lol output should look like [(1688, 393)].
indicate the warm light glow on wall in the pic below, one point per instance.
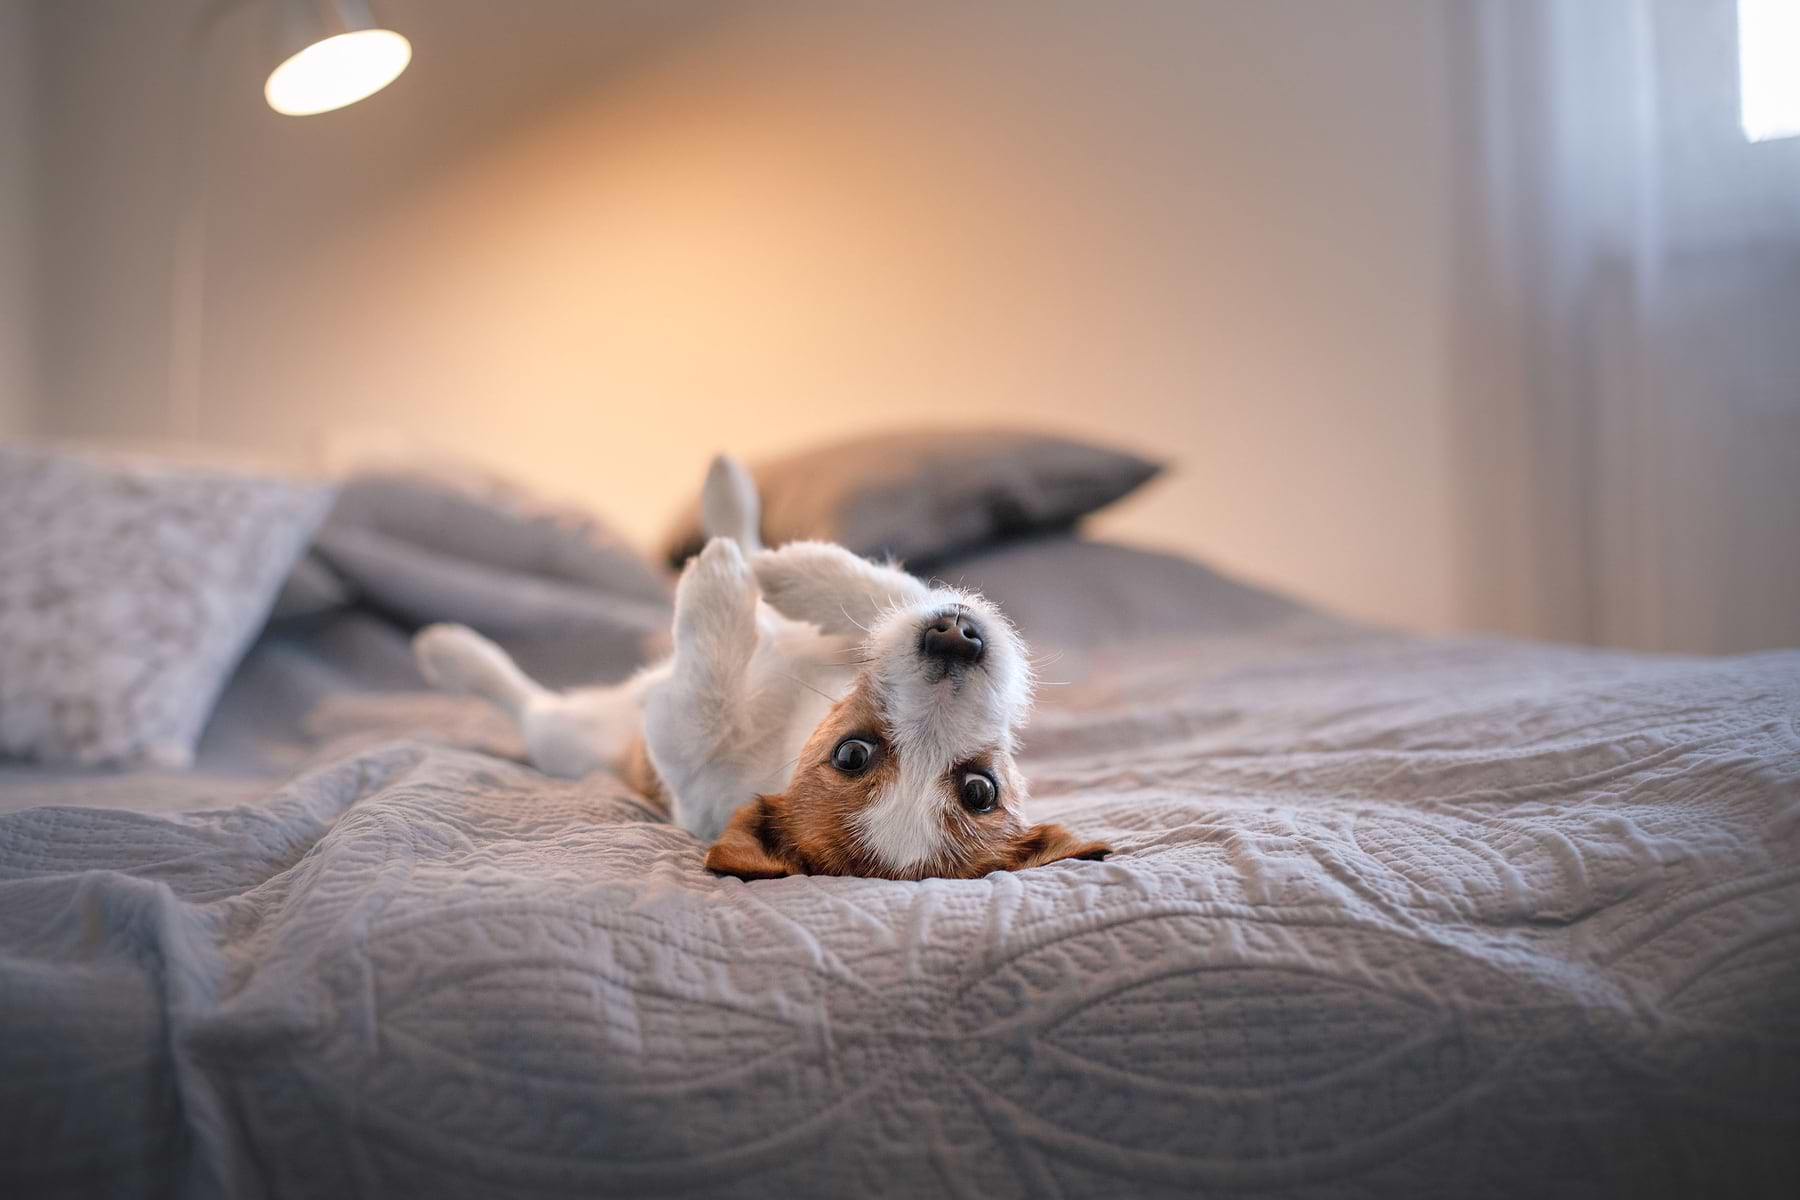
[(1769, 68), (337, 71)]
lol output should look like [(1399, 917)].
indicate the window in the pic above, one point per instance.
[(1769, 68)]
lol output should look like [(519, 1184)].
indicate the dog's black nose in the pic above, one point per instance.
[(953, 638)]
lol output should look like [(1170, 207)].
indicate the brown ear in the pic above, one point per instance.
[(748, 847), (1047, 844)]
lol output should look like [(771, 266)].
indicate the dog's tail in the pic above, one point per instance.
[(729, 505), (457, 659)]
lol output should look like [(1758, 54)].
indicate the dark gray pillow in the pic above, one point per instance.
[(1079, 593), (923, 495), (312, 589)]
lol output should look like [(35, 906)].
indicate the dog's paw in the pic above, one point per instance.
[(802, 578), (729, 506), (829, 586), (448, 655), (719, 568), (716, 598)]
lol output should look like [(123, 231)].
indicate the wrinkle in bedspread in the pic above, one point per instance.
[(1383, 917)]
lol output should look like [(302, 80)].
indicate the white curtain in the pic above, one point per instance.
[(1628, 359)]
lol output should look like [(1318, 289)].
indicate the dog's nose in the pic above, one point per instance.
[(953, 638)]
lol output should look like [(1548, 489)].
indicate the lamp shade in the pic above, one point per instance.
[(332, 53)]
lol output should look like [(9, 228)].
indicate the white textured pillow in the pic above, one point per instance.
[(129, 589)]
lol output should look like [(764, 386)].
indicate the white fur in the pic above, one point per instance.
[(938, 721), (454, 658), (729, 505), (567, 734), (745, 688), (833, 588), (762, 649)]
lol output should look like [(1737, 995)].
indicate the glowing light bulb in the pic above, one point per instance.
[(337, 71)]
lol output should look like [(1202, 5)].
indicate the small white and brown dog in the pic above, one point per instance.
[(821, 714)]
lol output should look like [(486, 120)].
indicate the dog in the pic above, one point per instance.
[(821, 714)]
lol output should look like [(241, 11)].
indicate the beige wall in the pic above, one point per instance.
[(17, 212), (591, 243)]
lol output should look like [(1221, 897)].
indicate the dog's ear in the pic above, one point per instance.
[(749, 848), (1047, 844), (836, 590)]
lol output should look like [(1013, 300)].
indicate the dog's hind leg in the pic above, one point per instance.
[(454, 658), (729, 505), (566, 734)]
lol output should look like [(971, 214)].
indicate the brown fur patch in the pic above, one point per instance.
[(810, 830), (640, 774), (742, 851)]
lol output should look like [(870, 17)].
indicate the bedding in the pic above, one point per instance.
[(464, 515), (924, 496), (449, 544), (129, 587), (1078, 595), (1387, 916)]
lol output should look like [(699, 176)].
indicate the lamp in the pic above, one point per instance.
[(333, 53), (330, 53)]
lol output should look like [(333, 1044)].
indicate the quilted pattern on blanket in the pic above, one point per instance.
[(1385, 917)]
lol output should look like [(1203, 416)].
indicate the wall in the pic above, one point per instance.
[(18, 363), (592, 243)]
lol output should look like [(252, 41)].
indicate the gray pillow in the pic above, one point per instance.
[(312, 589), (923, 495), (1074, 592), (129, 589), (559, 588), (463, 514)]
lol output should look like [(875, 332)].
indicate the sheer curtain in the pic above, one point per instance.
[(1628, 358)]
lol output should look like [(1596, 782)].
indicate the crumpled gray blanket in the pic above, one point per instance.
[(1386, 917)]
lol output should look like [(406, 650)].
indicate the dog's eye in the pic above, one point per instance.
[(853, 756), (978, 792)]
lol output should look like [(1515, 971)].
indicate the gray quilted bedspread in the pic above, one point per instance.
[(1386, 918)]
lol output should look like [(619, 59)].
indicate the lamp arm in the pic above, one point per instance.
[(187, 267)]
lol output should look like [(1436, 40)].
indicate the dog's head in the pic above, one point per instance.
[(911, 773)]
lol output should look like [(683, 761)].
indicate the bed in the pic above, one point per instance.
[(1386, 916)]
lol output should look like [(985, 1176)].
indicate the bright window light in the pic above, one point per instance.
[(1769, 68)]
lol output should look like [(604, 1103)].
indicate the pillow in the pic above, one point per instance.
[(450, 544), (921, 496), (312, 589), (129, 588), (1079, 593), (467, 513)]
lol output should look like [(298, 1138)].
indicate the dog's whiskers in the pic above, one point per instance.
[(809, 687), (856, 622)]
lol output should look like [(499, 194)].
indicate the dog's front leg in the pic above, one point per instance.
[(838, 591), (694, 721)]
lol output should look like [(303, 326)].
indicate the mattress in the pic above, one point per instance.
[(1386, 916)]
